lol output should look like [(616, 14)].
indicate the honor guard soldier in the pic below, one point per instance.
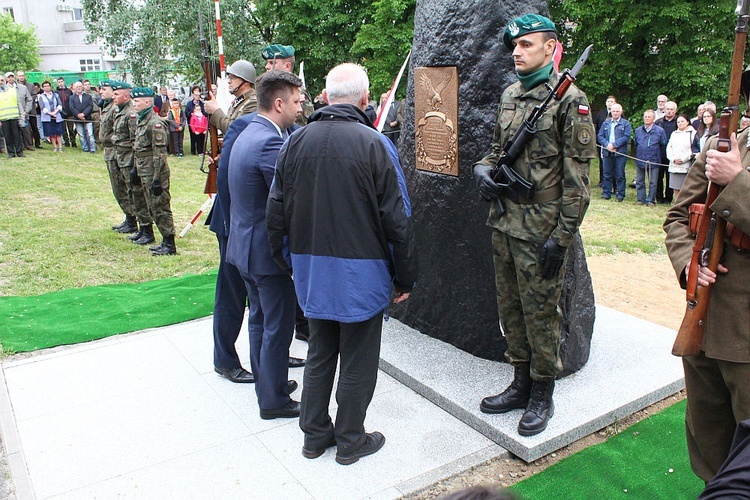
[(123, 136), (281, 57), (241, 76), (531, 238), (150, 151), (106, 131)]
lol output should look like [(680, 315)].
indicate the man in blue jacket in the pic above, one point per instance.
[(269, 287), (614, 137), (649, 141), (340, 198)]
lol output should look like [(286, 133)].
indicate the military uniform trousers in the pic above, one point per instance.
[(270, 324), (527, 306), (117, 181), (358, 346), (135, 191), (229, 310), (717, 400), (159, 206)]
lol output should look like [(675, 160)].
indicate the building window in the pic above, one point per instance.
[(77, 14), (90, 64), (9, 10)]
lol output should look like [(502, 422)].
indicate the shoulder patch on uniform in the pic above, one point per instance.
[(134, 116), (583, 109), (157, 125), (509, 105), (584, 135)]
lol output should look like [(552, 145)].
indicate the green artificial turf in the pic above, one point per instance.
[(83, 314), (649, 460)]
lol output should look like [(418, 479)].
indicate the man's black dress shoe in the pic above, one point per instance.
[(374, 441), (291, 386), (289, 410), (296, 362), (315, 452), (236, 375)]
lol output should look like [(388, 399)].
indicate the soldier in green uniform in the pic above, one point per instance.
[(150, 151), (530, 240), (281, 57), (241, 77), (123, 136), (116, 180)]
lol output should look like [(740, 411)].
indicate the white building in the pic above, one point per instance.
[(59, 27)]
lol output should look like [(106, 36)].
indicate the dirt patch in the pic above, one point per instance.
[(641, 285)]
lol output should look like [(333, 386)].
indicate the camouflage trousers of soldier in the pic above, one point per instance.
[(160, 206), (135, 191), (119, 187), (528, 306)]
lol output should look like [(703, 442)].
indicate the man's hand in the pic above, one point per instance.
[(156, 188), (722, 168), (705, 275), (210, 105), (611, 147), (400, 297), (485, 185), (551, 258), (81, 116)]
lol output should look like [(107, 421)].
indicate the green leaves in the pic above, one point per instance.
[(19, 46)]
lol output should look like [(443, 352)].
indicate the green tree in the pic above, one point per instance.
[(382, 44), (19, 46), (680, 48)]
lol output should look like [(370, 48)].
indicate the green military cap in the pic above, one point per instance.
[(142, 92), (277, 51), (105, 83), (530, 23), (120, 85)]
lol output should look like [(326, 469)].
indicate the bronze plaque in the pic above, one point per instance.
[(436, 119)]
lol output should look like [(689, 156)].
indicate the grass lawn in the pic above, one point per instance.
[(56, 211)]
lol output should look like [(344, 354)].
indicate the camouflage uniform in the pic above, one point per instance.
[(557, 163), (151, 140), (96, 112), (123, 134), (242, 105), (307, 109), (119, 186)]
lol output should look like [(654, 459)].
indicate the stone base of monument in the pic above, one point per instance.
[(630, 367)]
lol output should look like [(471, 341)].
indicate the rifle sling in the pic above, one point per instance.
[(544, 196)]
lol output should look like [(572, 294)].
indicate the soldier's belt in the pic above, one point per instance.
[(144, 154), (543, 196), (123, 149)]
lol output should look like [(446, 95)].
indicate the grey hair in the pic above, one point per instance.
[(346, 83)]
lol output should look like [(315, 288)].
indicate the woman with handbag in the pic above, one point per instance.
[(680, 153)]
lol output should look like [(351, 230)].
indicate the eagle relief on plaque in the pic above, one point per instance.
[(436, 115)]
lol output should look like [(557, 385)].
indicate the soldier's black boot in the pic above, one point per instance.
[(540, 409), (137, 235), (147, 235), (516, 396), (167, 247), (122, 224), (129, 226)]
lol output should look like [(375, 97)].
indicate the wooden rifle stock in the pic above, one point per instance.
[(213, 133), (709, 242)]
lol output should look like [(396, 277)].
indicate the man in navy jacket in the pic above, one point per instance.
[(270, 290), (81, 105), (614, 137), (340, 198)]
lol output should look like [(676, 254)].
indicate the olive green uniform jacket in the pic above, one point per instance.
[(242, 105), (150, 151)]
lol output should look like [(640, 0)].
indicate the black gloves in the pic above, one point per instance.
[(486, 186), (551, 258), (134, 179), (156, 188)]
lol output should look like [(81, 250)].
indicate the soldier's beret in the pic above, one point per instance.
[(530, 23), (277, 51), (120, 85), (105, 83), (142, 92)]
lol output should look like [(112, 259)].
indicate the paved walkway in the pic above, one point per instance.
[(144, 416)]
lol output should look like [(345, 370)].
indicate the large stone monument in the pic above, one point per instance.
[(455, 299)]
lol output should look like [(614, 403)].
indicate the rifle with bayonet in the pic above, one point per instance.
[(503, 173), (709, 242), (213, 133)]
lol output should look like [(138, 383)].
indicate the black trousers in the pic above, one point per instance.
[(358, 346), (229, 310), (13, 137)]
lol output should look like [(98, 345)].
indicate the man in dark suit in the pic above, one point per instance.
[(81, 105), (270, 290), (162, 102)]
